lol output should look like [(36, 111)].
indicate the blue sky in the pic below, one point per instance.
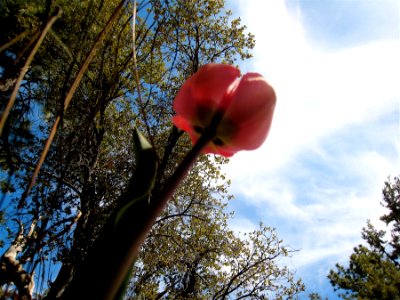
[(335, 138)]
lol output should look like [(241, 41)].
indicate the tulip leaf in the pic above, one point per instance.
[(142, 181)]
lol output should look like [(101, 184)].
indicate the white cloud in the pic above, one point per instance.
[(328, 93), (334, 138), (319, 210), (319, 94), (242, 226)]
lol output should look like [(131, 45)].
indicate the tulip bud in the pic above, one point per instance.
[(244, 106)]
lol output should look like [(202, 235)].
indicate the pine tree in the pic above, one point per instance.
[(374, 271)]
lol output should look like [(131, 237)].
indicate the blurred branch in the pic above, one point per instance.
[(136, 74), (25, 68), (69, 96)]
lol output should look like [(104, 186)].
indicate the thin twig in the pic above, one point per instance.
[(14, 40), (25, 68), (136, 75), (69, 96)]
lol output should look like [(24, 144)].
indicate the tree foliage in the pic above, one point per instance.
[(191, 252), (197, 256), (374, 271)]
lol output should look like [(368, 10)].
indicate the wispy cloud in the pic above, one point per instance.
[(335, 135)]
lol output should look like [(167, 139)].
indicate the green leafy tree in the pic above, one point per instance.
[(373, 271), (91, 159), (314, 296), (203, 258)]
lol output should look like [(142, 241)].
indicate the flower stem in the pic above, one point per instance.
[(154, 210), (183, 168)]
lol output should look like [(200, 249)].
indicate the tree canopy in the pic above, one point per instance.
[(374, 271), (53, 219)]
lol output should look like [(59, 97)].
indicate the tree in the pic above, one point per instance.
[(192, 253), (374, 270), (91, 159)]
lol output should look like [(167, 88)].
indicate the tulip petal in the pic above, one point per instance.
[(200, 95), (252, 134), (251, 109), (181, 123), (185, 125), (219, 150)]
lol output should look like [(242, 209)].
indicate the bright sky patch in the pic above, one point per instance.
[(334, 140)]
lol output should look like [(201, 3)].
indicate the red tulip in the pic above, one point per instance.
[(246, 106)]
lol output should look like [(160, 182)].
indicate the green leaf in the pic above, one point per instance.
[(140, 186), (142, 181)]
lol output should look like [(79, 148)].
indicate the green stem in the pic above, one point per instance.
[(182, 170), (154, 210)]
